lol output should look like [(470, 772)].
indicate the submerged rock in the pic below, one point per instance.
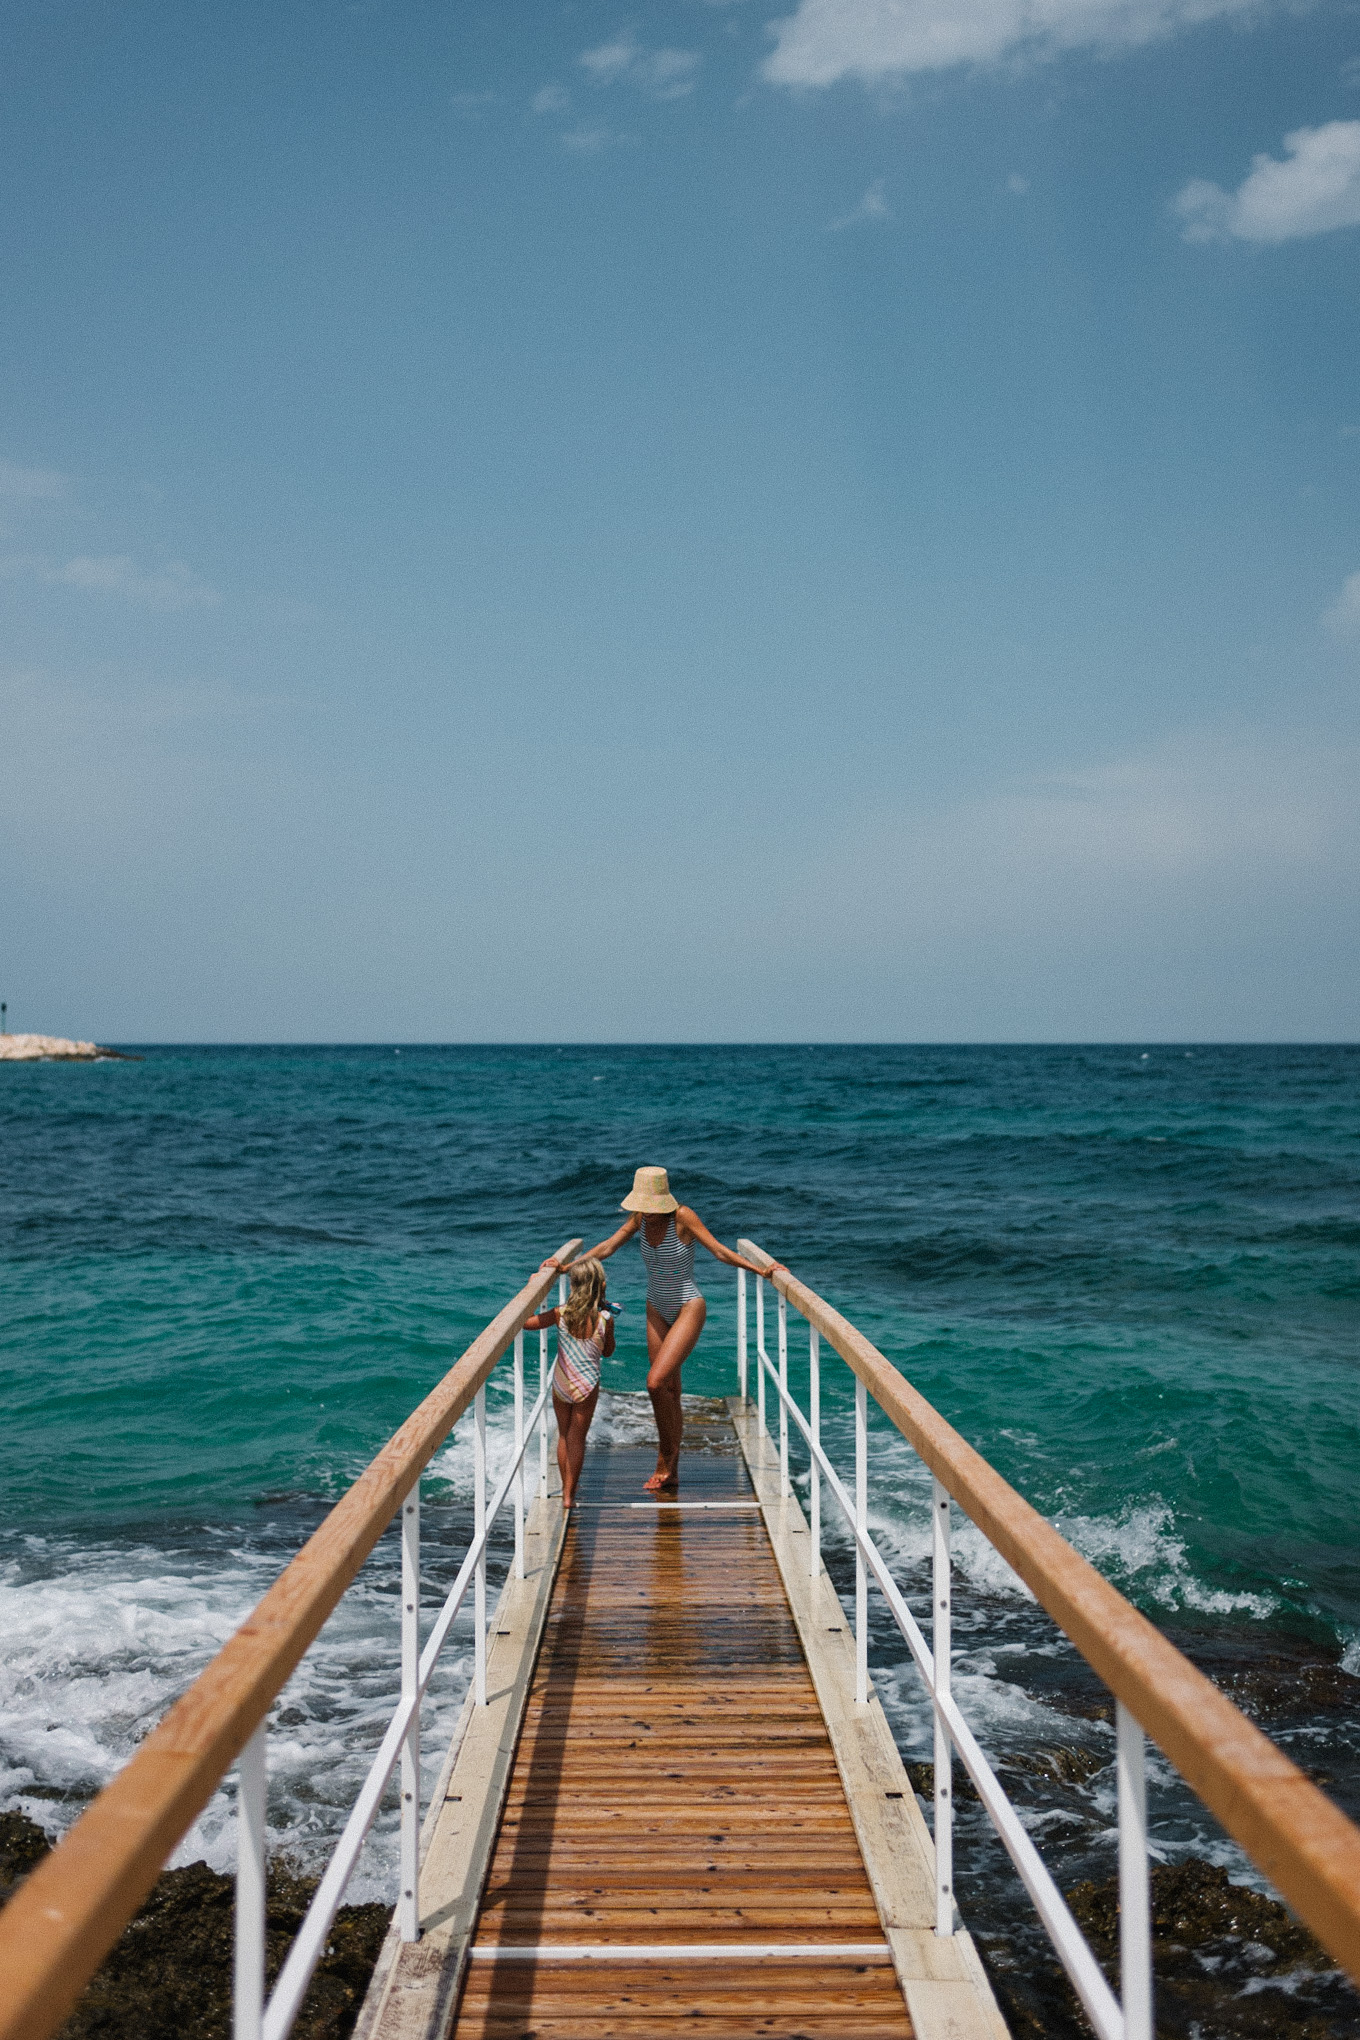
[(1228, 1964), (22, 1844), (1195, 1906), (170, 1973)]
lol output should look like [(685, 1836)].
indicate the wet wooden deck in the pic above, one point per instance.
[(675, 1784), (666, 1844)]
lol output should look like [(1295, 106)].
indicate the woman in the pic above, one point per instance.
[(675, 1307)]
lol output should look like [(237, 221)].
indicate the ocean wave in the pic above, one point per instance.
[(1136, 1544), (1140, 1552), (100, 1641)]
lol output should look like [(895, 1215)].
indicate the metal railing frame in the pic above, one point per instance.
[(252, 2018), (55, 1931), (1131, 2019)]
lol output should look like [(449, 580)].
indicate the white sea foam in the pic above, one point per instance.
[(1140, 1551), (100, 1643), (1137, 1547)]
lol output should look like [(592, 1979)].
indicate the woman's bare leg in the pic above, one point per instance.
[(573, 1422), (668, 1348)]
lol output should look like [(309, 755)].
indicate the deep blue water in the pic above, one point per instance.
[(1131, 1278)]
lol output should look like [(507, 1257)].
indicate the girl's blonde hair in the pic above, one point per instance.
[(582, 1307)]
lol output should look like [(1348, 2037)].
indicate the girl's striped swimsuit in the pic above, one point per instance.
[(670, 1271), (577, 1373)]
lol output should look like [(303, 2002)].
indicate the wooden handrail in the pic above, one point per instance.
[(1305, 1845), (58, 1927)]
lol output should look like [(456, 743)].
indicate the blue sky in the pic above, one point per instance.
[(687, 521)]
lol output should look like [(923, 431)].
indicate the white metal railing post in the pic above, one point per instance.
[(741, 1333), (862, 1526), (941, 1652), (1135, 1921), (815, 1420), (248, 1982), (519, 1462), (479, 1525), (784, 1489), (408, 1909), (543, 1420), (760, 1353)]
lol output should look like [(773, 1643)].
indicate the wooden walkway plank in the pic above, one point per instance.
[(942, 1979), (676, 1791)]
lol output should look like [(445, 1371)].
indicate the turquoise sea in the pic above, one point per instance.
[(1130, 1277)]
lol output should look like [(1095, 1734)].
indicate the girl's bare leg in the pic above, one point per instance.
[(668, 1348), (573, 1422)]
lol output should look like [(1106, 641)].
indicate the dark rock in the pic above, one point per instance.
[(22, 1844), (169, 1977), (922, 1780), (1194, 1905), (1059, 1762), (1228, 1964)]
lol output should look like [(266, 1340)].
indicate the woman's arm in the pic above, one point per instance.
[(606, 1247), (544, 1321), (694, 1224)]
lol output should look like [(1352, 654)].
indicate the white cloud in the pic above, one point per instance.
[(173, 586), (592, 141), (1316, 188), (1139, 842), (1017, 184), (873, 206), (1343, 618), (30, 485), (877, 41), (661, 74), (551, 99)]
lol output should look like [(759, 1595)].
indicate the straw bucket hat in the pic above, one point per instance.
[(651, 1191)]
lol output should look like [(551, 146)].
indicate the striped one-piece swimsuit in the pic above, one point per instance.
[(577, 1373), (670, 1271)]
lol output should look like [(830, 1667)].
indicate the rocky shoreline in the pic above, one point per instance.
[(170, 1973), (54, 1048)]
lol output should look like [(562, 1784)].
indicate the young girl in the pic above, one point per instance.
[(585, 1336)]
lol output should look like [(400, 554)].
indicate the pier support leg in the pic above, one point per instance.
[(248, 1993), (815, 1426), (478, 1526), (760, 1353), (784, 1489), (941, 1651), (519, 1470), (1135, 1912), (408, 1905), (741, 1333), (543, 1420), (862, 1525)]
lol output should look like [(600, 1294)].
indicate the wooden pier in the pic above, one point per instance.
[(676, 1820), (664, 1801)]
